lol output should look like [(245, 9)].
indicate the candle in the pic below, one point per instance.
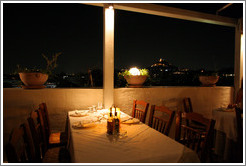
[(118, 112), (113, 111)]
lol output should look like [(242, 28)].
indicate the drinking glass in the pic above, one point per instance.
[(99, 105), (90, 109), (94, 108)]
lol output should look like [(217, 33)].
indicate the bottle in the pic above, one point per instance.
[(116, 123), (110, 122)]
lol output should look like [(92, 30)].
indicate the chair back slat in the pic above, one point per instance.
[(45, 115), (159, 123), (40, 129), (192, 138), (30, 140), (187, 105), (36, 135), (140, 113)]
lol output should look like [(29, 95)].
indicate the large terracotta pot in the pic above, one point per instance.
[(208, 80), (135, 81), (33, 80)]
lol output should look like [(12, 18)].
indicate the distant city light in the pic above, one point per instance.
[(134, 71), (178, 72), (228, 75)]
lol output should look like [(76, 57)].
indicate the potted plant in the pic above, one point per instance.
[(208, 78), (135, 77), (36, 78)]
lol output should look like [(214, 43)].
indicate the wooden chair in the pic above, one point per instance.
[(140, 113), (36, 124), (160, 123), (198, 140), (239, 143), (187, 105), (188, 108), (46, 153), (53, 139), (20, 147)]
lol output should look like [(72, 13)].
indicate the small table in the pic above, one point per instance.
[(225, 133), (141, 144)]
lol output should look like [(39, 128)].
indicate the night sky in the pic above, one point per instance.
[(76, 30)]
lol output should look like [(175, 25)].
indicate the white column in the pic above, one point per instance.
[(238, 64), (108, 57)]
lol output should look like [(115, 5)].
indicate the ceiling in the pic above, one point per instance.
[(235, 10)]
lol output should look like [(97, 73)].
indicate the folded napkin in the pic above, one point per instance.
[(81, 125), (79, 114), (131, 121)]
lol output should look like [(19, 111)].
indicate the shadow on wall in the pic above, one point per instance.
[(174, 104)]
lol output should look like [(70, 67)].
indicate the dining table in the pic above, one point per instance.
[(225, 137), (136, 142)]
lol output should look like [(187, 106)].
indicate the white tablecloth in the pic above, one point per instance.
[(226, 122), (226, 133), (142, 144)]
